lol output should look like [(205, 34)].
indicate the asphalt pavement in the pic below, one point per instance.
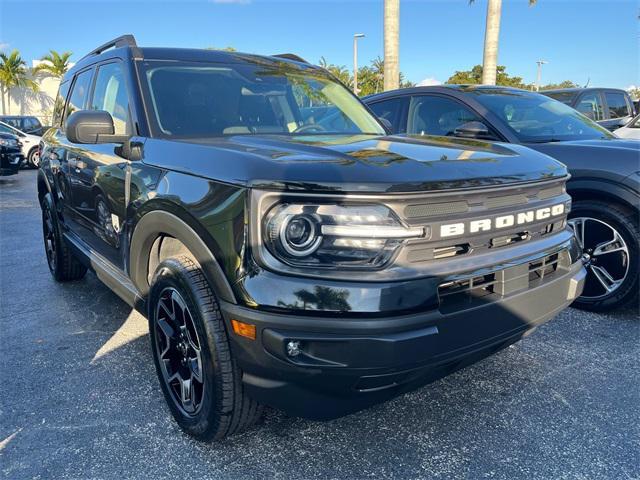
[(79, 397)]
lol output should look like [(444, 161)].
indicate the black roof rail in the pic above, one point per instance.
[(290, 56), (122, 41)]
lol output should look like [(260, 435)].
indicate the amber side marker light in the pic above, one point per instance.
[(244, 329)]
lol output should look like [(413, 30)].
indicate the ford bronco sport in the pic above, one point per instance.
[(285, 249)]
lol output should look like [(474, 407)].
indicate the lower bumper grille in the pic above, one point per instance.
[(473, 291)]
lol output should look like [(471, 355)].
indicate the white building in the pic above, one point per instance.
[(24, 101)]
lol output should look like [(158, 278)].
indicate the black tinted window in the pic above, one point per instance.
[(590, 105), (79, 94), (565, 97), (429, 115), (392, 110), (110, 95), (617, 105)]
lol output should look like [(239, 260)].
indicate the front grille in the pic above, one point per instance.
[(473, 291)]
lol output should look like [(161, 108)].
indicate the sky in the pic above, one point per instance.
[(595, 41)]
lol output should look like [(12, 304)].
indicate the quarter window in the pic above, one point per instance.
[(430, 115), (110, 95), (591, 106), (58, 106), (617, 104), (79, 94)]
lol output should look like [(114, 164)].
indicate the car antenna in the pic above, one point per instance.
[(587, 84)]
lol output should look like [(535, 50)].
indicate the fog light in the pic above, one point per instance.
[(293, 348)]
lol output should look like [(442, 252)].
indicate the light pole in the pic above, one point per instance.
[(539, 77), (355, 61)]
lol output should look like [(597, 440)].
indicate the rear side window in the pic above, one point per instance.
[(617, 104), (392, 110), (590, 106), (110, 95), (79, 94), (58, 106)]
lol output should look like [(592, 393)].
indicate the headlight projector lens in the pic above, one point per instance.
[(298, 235)]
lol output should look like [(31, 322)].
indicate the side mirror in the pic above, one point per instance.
[(91, 127), (473, 129)]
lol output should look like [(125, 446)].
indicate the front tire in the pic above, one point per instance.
[(198, 375), (63, 264), (610, 238)]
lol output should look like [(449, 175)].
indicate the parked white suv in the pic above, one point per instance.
[(630, 130), (29, 144)]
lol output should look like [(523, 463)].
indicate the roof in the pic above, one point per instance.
[(479, 89), (580, 89), (126, 48)]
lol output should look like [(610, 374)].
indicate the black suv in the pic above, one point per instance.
[(285, 250), (610, 107)]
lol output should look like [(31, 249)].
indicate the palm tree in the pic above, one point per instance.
[(13, 73), (391, 44), (54, 64), (491, 34)]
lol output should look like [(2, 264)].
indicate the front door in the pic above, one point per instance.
[(98, 173)]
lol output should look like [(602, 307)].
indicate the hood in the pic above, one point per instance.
[(615, 155), (359, 163)]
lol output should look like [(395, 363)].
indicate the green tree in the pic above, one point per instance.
[(564, 84), (474, 77), (491, 36), (54, 64), (13, 74), (634, 93), (339, 71), (225, 49)]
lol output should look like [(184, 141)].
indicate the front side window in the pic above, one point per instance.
[(200, 99), (536, 118), (590, 105), (110, 95), (392, 110), (79, 93), (617, 104), (431, 115)]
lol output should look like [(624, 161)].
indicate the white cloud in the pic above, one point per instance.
[(4, 46), (632, 87), (429, 82)]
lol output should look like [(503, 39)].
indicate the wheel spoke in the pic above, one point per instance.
[(578, 229), (186, 394), (195, 365), (169, 312), (611, 246), (607, 282)]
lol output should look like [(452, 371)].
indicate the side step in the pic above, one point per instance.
[(111, 276)]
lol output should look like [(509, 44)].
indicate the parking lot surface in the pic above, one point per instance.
[(79, 397)]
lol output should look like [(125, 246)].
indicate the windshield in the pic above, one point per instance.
[(535, 118), (213, 99)]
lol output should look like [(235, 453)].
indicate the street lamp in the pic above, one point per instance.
[(355, 61), (540, 63)]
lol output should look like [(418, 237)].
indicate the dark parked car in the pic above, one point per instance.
[(10, 154), (605, 170), (304, 260), (610, 107), (25, 123)]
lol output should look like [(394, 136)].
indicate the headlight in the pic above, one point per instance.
[(8, 142), (330, 235)]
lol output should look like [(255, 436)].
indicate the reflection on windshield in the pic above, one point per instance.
[(195, 100), (536, 118)]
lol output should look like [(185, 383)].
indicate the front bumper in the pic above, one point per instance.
[(10, 163), (350, 361)]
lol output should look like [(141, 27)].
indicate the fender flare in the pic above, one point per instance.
[(160, 222), (603, 188)]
